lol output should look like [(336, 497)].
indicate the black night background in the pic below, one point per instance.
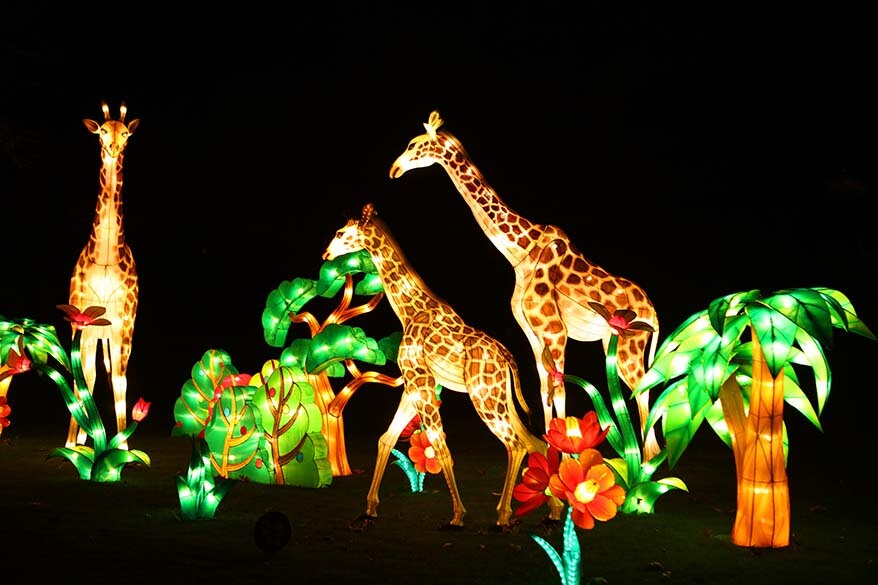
[(698, 151)]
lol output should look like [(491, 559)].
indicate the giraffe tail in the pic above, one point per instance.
[(516, 383)]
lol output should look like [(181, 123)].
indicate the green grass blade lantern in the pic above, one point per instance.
[(28, 346), (632, 473), (200, 492)]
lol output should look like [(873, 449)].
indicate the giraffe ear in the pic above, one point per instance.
[(433, 124), (368, 211), (133, 124), (92, 126)]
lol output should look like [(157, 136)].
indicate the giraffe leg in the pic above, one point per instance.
[(552, 391), (116, 364), (515, 452), (443, 456), (527, 306), (404, 413), (492, 397)]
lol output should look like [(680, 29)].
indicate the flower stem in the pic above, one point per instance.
[(95, 426), (632, 449)]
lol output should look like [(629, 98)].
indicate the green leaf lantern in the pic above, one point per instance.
[(234, 436), (287, 299), (337, 343), (291, 424), (193, 408)]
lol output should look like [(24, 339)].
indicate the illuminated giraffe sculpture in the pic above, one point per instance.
[(554, 281), (437, 347), (105, 274)]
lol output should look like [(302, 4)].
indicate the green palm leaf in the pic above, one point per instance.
[(816, 359), (848, 319), (776, 334), (809, 310), (722, 308), (678, 422), (39, 340)]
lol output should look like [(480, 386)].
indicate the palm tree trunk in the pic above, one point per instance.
[(333, 426), (763, 510)]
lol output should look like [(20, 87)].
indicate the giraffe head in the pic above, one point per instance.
[(114, 134), (422, 151), (351, 237)]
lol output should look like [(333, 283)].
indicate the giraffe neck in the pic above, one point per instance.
[(405, 290), (508, 231), (108, 234)]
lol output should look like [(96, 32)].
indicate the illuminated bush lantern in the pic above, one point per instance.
[(264, 428), (290, 431), (739, 388), (26, 345), (333, 348)]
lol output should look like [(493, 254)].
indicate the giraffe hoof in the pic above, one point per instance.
[(362, 523), (549, 521), (549, 526), (448, 526)]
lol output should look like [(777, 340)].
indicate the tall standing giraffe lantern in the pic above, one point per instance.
[(554, 281), (105, 274)]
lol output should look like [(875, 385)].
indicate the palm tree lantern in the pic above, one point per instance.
[(712, 373)]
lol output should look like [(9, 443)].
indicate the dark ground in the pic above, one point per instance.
[(58, 526)]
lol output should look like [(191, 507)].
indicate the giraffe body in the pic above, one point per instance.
[(554, 281), (105, 274), (438, 347)]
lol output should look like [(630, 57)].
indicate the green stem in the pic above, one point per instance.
[(95, 426), (614, 437), (632, 449), (122, 436), (73, 405)]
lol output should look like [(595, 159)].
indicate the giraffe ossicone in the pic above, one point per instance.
[(439, 348), (554, 281), (105, 274)]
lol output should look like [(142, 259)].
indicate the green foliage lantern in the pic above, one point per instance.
[(263, 428)]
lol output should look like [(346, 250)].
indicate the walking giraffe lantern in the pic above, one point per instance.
[(554, 281), (439, 348), (105, 274)]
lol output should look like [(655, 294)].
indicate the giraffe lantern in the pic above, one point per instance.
[(554, 281), (437, 347), (105, 274)]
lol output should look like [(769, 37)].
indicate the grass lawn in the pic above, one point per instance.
[(58, 528)]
